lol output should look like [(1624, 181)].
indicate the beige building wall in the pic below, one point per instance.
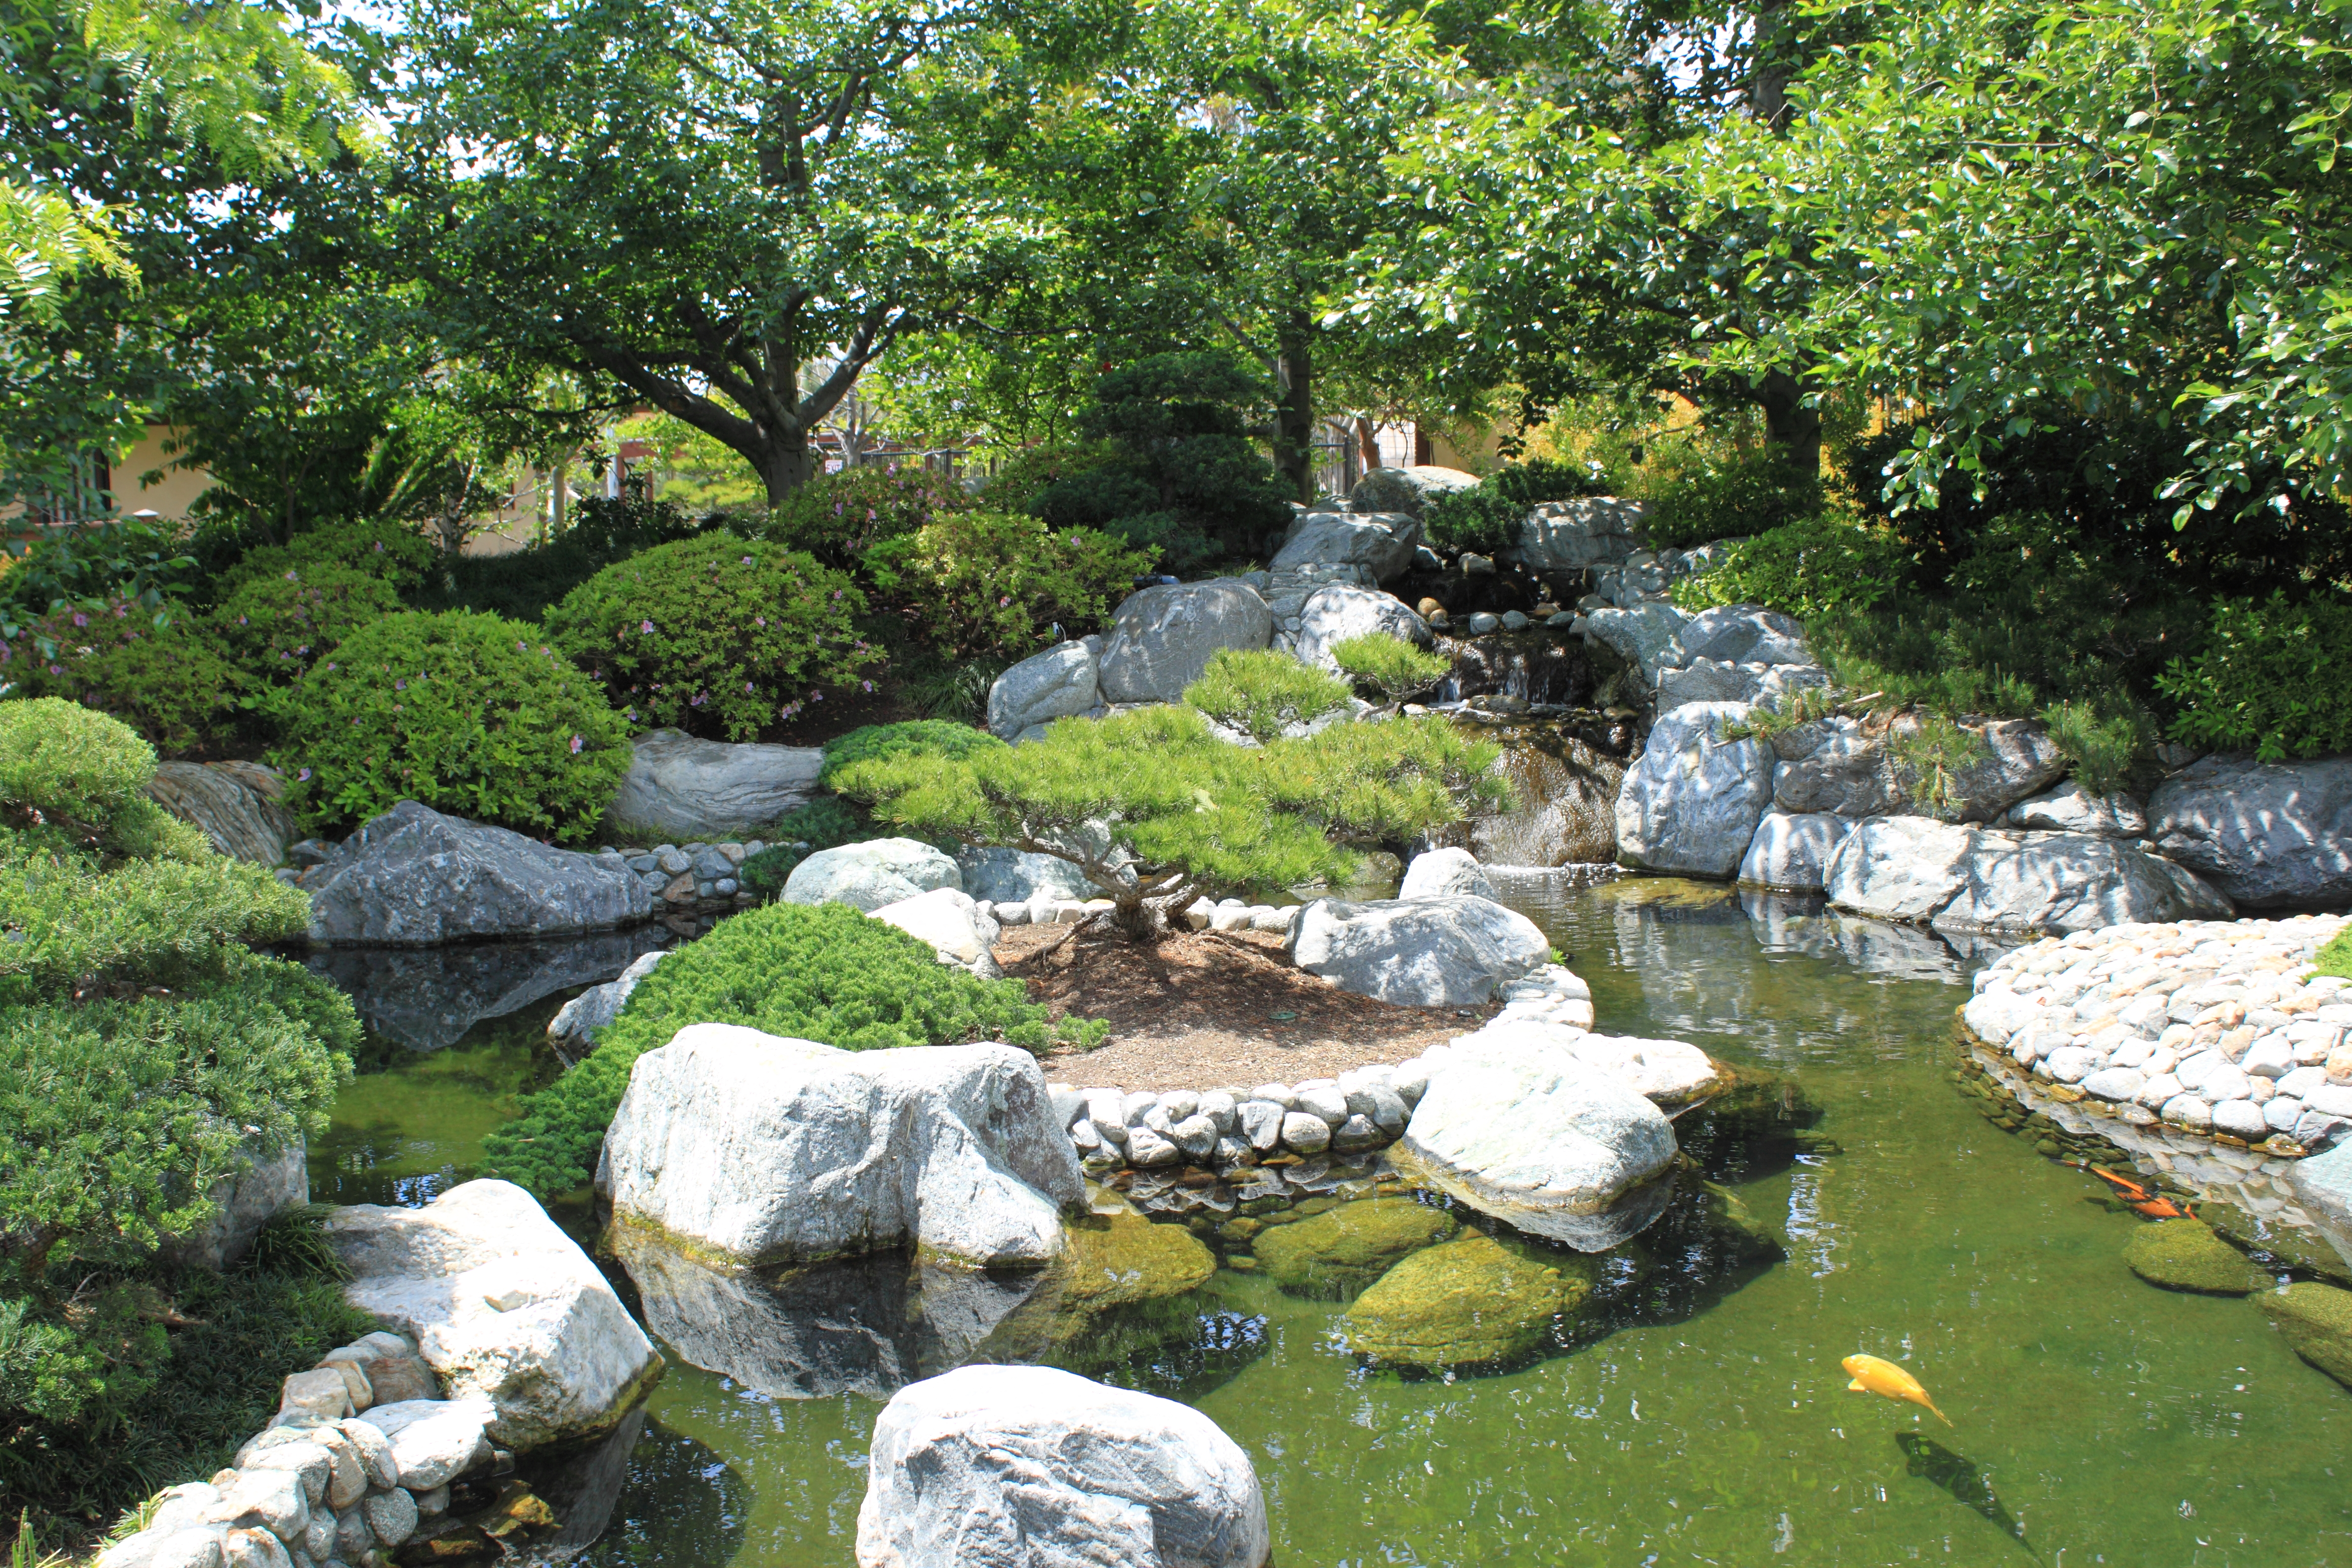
[(175, 490)]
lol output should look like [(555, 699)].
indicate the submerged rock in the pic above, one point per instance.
[(1027, 1467), (2185, 1255), (1739, 1235), (1462, 1303), (1542, 1139), (2318, 1323), (1347, 1247), (415, 877), (1120, 1258), (763, 1149), (504, 1306)]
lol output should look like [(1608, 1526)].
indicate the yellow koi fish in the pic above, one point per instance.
[(1872, 1375)]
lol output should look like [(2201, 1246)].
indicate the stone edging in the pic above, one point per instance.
[(2216, 1031), (1223, 1131), (338, 1474)]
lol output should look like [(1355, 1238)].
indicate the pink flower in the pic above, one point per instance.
[(1002, 602), (747, 560), (521, 647), (400, 686), (867, 684), (646, 628), (747, 688), (80, 619), (836, 593), (576, 743), (304, 777)]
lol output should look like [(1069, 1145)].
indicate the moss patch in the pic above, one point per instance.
[(1116, 1260), (1346, 1247), (2336, 957), (2317, 1321), (1463, 1303), (2185, 1255)]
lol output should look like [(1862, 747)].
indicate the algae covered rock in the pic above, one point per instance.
[(2185, 1255), (1345, 1248), (2317, 1321), (2306, 1251), (1462, 1303), (1119, 1260), (1738, 1234)]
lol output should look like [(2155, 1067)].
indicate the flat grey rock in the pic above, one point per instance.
[(1381, 543), (1963, 879), (1690, 804), (1406, 489), (2070, 808), (415, 877), (1573, 536), (683, 788), (869, 875), (1161, 638), (1743, 634), (1016, 876), (1449, 952), (762, 1150), (2270, 836)]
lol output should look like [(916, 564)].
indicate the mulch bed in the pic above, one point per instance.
[(1207, 1011)]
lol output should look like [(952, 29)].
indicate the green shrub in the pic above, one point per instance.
[(1022, 476), (71, 765), (140, 561), (2273, 677), (1708, 497), (1541, 479), (1093, 496), (465, 713), (522, 584), (2336, 957), (1392, 666), (821, 972), (838, 516), (998, 582), (158, 671), (1263, 692), (934, 736), (714, 634), (395, 553), (1808, 568), (1170, 540), (824, 823), (1475, 519), (277, 627)]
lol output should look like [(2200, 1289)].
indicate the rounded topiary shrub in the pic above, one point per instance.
[(161, 672), (810, 971), (470, 714), (715, 633), (277, 627), (934, 737), (397, 553)]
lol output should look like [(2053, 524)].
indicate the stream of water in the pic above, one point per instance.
[(1702, 1418)]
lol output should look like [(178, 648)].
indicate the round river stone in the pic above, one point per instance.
[(2185, 1255), (1463, 1303), (1348, 1247)]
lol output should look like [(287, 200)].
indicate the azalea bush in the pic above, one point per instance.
[(999, 583), (470, 714), (811, 972), (159, 670), (838, 516), (275, 628), (715, 633)]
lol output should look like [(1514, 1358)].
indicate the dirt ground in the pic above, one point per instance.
[(1212, 1010)]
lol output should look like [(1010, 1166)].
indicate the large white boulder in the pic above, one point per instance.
[(680, 787), (1642, 635), (1406, 489), (1028, 1467), (1970, 879), (1334, 615), (415, 877), (502, 1305), (869, 875), (1017, 876), (1442, 873), (1690, 804), (1381, 543), (762, 1150), (1534, 1134), (2269, 835), (1573, 535), (1160, 638), (1058, 683), (951, 921), (1450, 951), (1791, 850)]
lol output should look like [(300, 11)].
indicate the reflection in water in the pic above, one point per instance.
[(1926, 1458), (427, 998), (1565, 794)]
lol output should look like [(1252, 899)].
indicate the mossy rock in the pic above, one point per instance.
[(2317, 1321), (1119, 1260), (2306, 1251), (1348, 1245), (2185, 1255), (1758, 1107), (1742, 1237), (1462, 1303)]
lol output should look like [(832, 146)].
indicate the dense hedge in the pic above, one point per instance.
[(934, 736), (999, 582), (275, 628), (2275, 679), (156, 669), (821, 971)]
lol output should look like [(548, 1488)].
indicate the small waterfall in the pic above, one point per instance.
[(1564, 776), (1541, 669)]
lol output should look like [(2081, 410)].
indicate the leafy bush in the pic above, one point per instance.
[(1195, 813), (1708, 497), (1393, 667), (838, 516), (715, 633), (932, 736), (392, 552), (1022, 476), (1263, 692), (1475, 519), (462, 712), (277, 627), (2275, 678), (158, 671), (1808, 568), (824, 823), (1097, 497), (144, 1051), (821, 972), (137, 560), (522, 583), (1168, 539), (995, 581), (1541, 479)]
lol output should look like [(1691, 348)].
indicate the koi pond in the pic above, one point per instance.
[(1687, 1407)]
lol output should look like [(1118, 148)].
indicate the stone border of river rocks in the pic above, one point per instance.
[(1227, 1131), (358, 1461), (2215, 1031)]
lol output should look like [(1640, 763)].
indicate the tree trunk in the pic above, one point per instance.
[(785, 469), (1294, 414), (1793, 430)]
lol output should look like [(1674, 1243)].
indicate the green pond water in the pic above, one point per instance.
[(1697, 1415)]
